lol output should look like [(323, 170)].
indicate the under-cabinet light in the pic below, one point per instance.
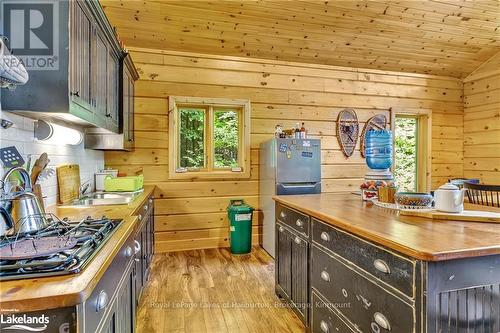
[(57, 134)]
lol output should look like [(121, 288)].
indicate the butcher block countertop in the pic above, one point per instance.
[(67, 290), (417, 237)]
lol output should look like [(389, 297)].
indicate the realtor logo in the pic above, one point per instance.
[(32, 30)]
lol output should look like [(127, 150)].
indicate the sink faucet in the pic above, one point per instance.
[(84, 188)]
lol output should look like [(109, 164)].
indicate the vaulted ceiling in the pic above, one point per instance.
[(442, 37)]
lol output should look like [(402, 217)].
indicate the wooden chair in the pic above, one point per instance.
[(480, 194)]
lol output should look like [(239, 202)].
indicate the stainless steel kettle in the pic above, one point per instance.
[(26, 212)]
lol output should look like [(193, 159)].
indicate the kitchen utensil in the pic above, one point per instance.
[(27, 213), (449, 198), (68, 179), (465, 215), (28, 164), (6, 223), (36, 247), (413, 199), (45, 174), (40, 164), (10, 157), (37, 190)]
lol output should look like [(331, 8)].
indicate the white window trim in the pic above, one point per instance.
[(244, 149)]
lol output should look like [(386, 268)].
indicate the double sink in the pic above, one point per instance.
[(105, 198)]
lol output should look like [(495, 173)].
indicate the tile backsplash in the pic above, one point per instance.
[(21, 136)]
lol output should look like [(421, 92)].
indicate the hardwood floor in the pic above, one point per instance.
[(213, 291)]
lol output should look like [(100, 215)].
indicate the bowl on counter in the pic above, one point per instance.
[(413, 200)]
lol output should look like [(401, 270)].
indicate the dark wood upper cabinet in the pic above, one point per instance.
[(85, 88)]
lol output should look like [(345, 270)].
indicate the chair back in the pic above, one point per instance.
[(480, 194)]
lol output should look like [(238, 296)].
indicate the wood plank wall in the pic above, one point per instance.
[(191, 214), (482, 123)]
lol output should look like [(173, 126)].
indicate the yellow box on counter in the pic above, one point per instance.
[(123, 184)]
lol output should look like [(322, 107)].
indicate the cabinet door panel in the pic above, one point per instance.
[(99, 74), (80, 53), (112, 92), (284, 263), (300, 257)]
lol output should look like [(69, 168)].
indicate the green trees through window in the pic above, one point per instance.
[(224, 133), (192, 138), (226, 139), (405, 172)]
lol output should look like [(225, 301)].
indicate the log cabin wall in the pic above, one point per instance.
[(482, 123), (191, 214)]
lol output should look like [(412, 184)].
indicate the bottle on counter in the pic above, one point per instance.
[(297, 131), (303, 132)]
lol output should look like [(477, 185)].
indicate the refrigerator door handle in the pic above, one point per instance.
[(295, 185)]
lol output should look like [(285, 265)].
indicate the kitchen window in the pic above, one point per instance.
[(209, 138), (412, 151)]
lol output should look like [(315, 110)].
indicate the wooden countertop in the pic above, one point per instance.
[(416, 237), (66, 290)]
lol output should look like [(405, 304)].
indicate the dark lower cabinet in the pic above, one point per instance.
[(338, 282), (292, 270)]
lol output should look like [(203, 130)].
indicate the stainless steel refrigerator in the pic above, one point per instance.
[(287, 167)]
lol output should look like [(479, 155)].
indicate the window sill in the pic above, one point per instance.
[(193, 175)]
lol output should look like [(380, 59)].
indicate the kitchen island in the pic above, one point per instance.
[(350, 266), (93, 293)]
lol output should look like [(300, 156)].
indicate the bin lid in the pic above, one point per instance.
[(239, 206)]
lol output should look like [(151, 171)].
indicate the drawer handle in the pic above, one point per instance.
[(102, 300), (382, 321), (282, 215), (297, 240), (325, 236), (382, 266), (299, 223), (324, 326), (137, 246), (281, 229), (325, 276)]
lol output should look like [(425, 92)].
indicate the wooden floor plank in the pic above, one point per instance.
[(213, 291)]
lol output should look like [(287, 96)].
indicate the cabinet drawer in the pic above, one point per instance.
[(325, 320), (295, 220), (389, 267), (369, 307)]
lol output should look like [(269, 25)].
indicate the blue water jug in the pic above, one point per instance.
[(378, 149)]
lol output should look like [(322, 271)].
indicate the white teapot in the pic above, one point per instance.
[(449, 198)]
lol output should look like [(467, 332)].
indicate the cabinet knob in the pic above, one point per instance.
[(382, 321), (150, 201), (146, 207), (108, 115), (281, 229), (282, 215), (299, 223), (325, 236), (102, 300), (325, 276), (76, 93), (381, 266), (297, 240), (323, 325), (140, 217), (128, 252)]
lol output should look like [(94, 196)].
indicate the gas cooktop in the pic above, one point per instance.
[(63, 247)]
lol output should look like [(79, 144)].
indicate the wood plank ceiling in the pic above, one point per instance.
[(442, 37)]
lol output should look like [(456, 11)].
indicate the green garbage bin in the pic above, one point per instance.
[(240, 221)]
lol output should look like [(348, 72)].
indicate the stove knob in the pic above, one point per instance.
[(128, 252), (102, 301)]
